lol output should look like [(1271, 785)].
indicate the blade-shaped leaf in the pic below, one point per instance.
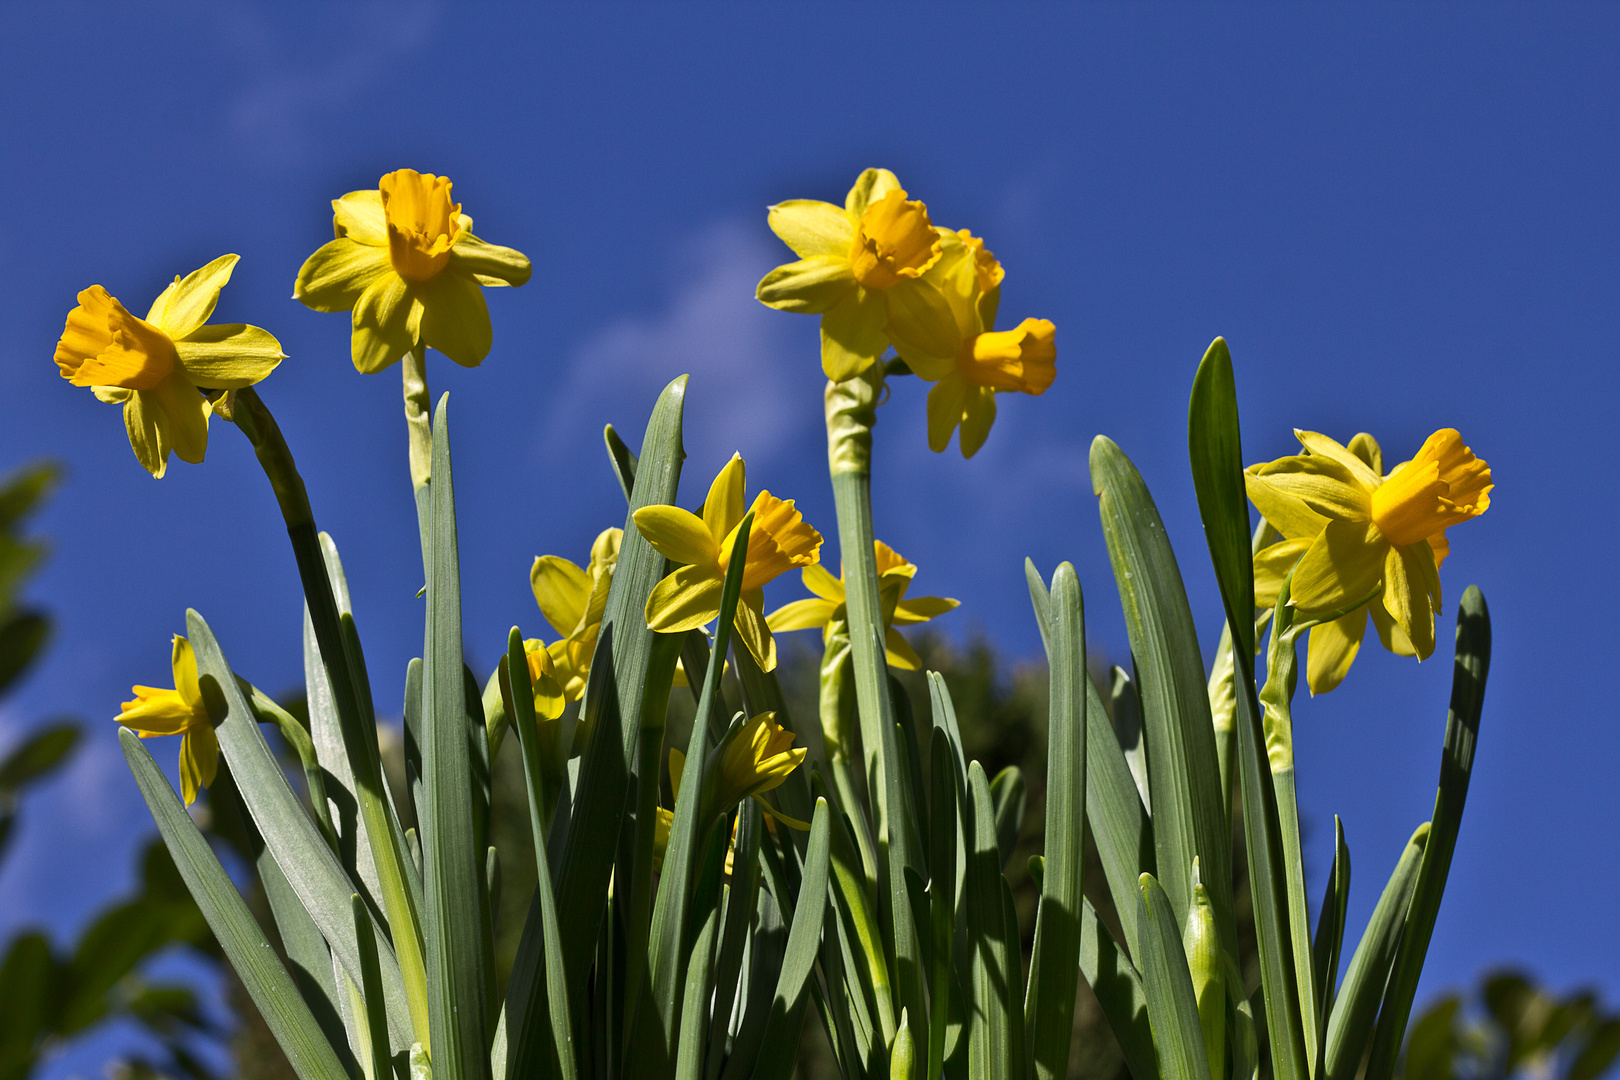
[(1118, 988), (995, 1043), (779, 1050), (1172, 1006), (1329, 941), (237, 932)]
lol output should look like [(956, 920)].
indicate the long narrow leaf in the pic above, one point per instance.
[(1172, 1006), (1473, 661), (237, 932), (1118, 988), (993, 1047), (779, 1050), (1356, 1006), (454, 916), (1329, 942), (1054, 963), (300, 850)]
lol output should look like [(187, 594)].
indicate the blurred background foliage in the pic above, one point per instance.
[(1505, 1027)]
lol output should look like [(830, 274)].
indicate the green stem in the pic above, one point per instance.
[(297, 738), (851, 410), (250, 414), (419, 431)]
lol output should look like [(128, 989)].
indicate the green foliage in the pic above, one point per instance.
[(1515, 1028)]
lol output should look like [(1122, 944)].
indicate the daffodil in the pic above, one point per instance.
[(865, 269), (779, 540), (406, 263), (549, 697), (826, 609), (1358, 535), (987, 361), (159, 367), (573, 598), (180, 711)]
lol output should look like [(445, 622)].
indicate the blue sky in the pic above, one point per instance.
[(1401, 218)]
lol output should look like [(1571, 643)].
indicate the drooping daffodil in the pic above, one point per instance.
[(864, 268), (573, 598), (988, 361), (1358, 535), (549, 695), (160, 367), (779, 540), (405, 262), (825, 610), (180, 711)]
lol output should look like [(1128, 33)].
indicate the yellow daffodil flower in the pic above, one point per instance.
[(572, 598), (779, 540), (864, 268), (757, 760), (1355, 532), (549, 696), (826, 609), (988, 361), (158, 367), (178, 712), (408, 266)]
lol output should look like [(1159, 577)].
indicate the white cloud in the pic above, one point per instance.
[(755, 384), (271, 117)]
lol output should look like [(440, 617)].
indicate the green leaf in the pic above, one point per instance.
[(1118, 819), (21, 638), (1118, 988), (995, 1037), (557, 1039), (942, 865), (694, 1013), (454, 914), (670, 911), (624, 461), (1329, 941), (1215, 446), (23, 491), (613, 703), (1356, 1006), (1010, 795), (1172, 1006), (44, 752), (781, 1041), (1473, 660), (1188, 818), (267, 982), (741, 896), (26, 978), (375, 1016), (1054, 962), (299, 849), (310, 961)]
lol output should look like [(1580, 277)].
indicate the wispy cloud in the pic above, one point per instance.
[(755, 381), (272, 117)]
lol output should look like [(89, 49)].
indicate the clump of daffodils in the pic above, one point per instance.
[(880, 274)]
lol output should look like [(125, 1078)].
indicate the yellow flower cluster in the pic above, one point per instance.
[(880, 273), (1361, 541)]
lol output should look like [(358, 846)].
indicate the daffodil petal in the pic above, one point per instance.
[(184, 306), (1341, 566), (387, 324), (753, 630), (819, 580), (684, 600), (1391, 636), (562, 590), (679, 536), (455, 318), (922, 608), (871, 185), (1271, 566), (1321, 446), (143, 420), (1409, 597), (1287, 512), (921, 318), (360, 216), (156, 711), (199, 761), (186, 412), (1365, 447), (337, 274), (725, 505), (228, 356), (790, 822), (925, 367), (1333, 648), (1323, 484), (809, 286), (945, 403), (978, 414), (183, 663), (901, 654), (490, 264), (811, 227), (808, 614), (852, 335)]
